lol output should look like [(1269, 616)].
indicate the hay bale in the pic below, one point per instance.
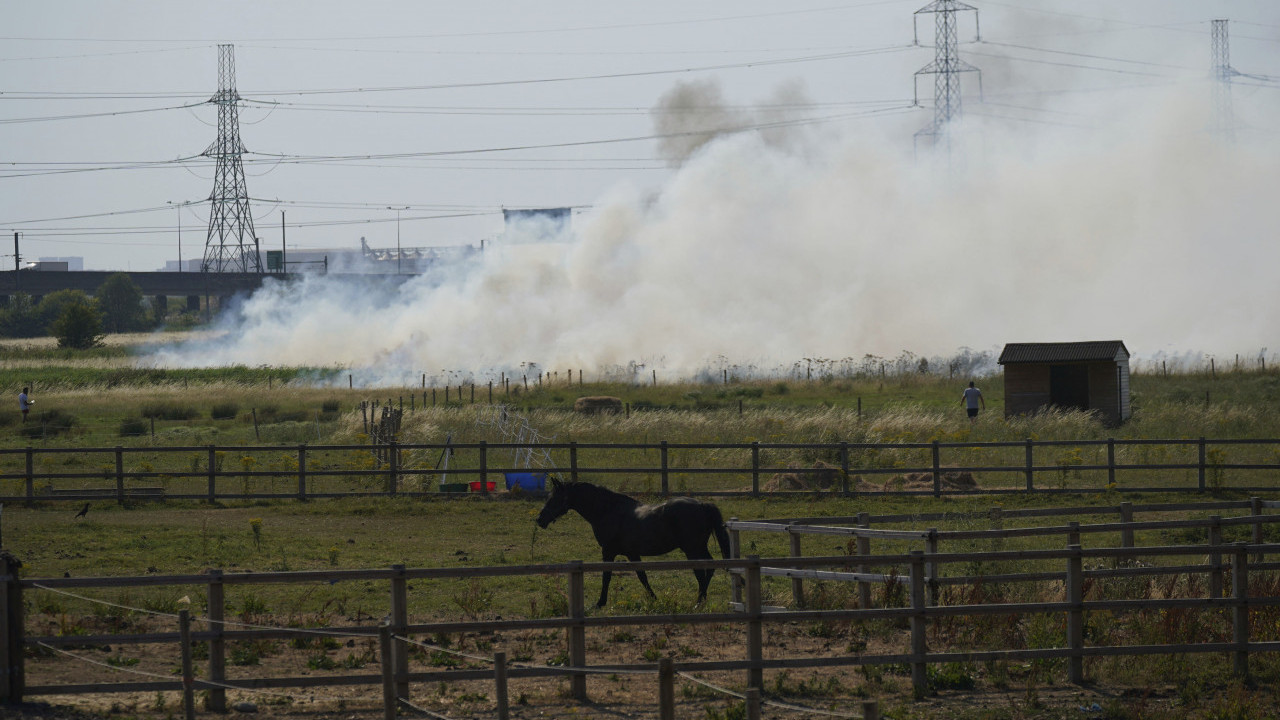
[(597, 404)]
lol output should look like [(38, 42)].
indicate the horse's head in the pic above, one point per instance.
[(557, 504)]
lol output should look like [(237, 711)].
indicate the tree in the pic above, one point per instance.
[(120, 300), (79, 326), (51, 307), (20, 319)]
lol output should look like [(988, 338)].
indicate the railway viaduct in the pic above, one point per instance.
[(214, 288)]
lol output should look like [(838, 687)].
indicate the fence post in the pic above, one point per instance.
[(1111, 462), (119, 474), (931, 567), (1201, 464), (870, 710), (302, 471), (31, 479), (1073, 533), (188, 676), (12, 679), (393, 467), (1240, 613), (573, 461), (937, 469), (755, 468), (1215, 556), (484, 467), (735, 551), (1075, 614), (844, 468), (217, 645), (577, 631), (399, 621), (500, 671), (797, 585), (919, 647), (864, 548), (1030, 471), (1255, 509), (752, 700), (662, 450), (388, 672), (213, 473), (1126, 516), (755, 627), (666, 689)]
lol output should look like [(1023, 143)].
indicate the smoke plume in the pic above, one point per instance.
[(834, 242)]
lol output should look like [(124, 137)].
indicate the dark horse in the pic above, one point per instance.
[(625, 527)]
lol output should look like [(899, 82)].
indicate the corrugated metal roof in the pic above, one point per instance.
[(1063, 352)]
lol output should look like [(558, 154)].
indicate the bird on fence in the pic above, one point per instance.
[(83, 511)]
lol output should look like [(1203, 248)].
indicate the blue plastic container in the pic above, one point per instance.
[(527, 482)]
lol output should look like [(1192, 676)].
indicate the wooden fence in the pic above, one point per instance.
[(932, 539), (924, 570), (320, 471)]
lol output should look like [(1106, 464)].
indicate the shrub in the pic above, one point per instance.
[(224, 411), (169, 411), (329, 406), (47, 423), (133, 427)]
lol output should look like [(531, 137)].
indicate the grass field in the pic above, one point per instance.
[(105, 391)]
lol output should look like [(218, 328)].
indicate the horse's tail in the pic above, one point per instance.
[(717, 527)]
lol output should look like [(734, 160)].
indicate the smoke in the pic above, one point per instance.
[(831, 243), (694, 113)]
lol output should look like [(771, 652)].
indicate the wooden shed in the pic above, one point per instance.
[(1080, 375)]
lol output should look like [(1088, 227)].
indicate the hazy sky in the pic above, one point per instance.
[(1082, 199)]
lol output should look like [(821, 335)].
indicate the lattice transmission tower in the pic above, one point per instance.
[(231, 245), (946, 67), (1223, 121)]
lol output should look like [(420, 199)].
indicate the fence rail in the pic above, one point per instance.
[(753, 616), (325, 471)]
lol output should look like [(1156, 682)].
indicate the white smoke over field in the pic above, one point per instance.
[(836, 244)]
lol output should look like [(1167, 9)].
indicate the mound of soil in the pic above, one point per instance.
[(949, 482), (821, 476)]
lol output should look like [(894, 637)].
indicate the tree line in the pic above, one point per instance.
[(77, 319)]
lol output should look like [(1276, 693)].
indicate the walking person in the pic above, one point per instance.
[(971, 398), (25, 403)]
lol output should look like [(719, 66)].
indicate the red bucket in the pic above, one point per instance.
[(475, 485)]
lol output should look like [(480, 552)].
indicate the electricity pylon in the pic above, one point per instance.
[(945, 68), (231, 245), (1223, 121)]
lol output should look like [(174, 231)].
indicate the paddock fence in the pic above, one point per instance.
[(857, 532), (214, 473), (1091, 583)]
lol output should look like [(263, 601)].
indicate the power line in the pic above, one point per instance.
[(103, 54), (108, 113), (493, 33), (64, 95)]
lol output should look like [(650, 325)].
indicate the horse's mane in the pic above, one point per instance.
[(597, 495)]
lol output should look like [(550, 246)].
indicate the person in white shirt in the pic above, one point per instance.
[(25, 403), (971, 397)]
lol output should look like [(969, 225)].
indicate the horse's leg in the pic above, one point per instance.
[(607, 576), (702, 574), (644, 579)]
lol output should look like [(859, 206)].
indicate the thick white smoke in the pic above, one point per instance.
[(836, 244)]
